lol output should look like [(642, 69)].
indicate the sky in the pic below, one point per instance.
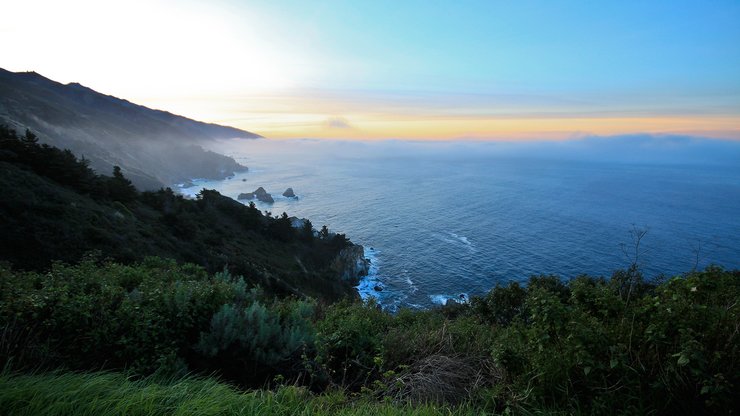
[(420, 70)]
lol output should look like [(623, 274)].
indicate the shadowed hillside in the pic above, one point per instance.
[(55, 208), (153, 147)]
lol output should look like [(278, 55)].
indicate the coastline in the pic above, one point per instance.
[(367, 284)]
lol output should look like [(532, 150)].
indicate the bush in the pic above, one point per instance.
[(349, 344), (106, 315), (662, 349), (249, 341)]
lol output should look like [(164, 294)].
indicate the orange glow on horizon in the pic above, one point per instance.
[(511, 128), (292, 117)]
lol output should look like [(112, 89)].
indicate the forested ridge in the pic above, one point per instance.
[(55, 208)]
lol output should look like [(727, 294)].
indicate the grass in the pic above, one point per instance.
[(72, 394)]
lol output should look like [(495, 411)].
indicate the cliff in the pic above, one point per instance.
[(351, 264)]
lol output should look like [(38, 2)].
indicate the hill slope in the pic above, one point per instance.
[(55, 208), (153, 147)]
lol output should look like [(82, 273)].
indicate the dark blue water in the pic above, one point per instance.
[(438, 223)]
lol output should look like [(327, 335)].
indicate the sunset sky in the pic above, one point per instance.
[(399, 69)]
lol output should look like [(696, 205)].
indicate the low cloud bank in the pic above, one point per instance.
[(637, 148)]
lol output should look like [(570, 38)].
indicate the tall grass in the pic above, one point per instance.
[(95, 394)]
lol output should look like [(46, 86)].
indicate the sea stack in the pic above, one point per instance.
[(289, 193), (263, 196)]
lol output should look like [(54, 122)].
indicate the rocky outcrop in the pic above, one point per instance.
[(248, 195), (296, 222), (266, 198), (262, 195), (351, 264), (289, 193)]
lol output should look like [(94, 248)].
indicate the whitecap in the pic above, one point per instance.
[(444, 299), (464, 240), (457, 240)]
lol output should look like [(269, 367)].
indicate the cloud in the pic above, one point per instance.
[(337, 123)]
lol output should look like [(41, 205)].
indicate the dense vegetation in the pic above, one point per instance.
[(621, 345), (55, 208), (601, 346)]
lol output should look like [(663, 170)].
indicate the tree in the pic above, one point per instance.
[(30, 138), (281, 228), (120, 188), (324, 233), (631, 278), (307, 230)]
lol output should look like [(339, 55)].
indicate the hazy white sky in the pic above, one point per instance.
[(389, 69)]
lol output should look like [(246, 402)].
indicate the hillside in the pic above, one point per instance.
[(153, 148), (55, 208)]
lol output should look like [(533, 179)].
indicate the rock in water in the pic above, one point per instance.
[(262, 195), (265, 198), (249, 195), (289, 193)]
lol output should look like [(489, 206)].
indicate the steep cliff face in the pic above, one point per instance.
[(351, 264)]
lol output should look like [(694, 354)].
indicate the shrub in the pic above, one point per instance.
[(349, 344), (247, 342)]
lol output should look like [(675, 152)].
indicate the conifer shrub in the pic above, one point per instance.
[(249, 340)]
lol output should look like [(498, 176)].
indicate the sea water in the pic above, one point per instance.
[(445, 222)]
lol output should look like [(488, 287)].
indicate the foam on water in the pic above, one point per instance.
[(464, 240), (368, 283), (444, 299), (391, 295)]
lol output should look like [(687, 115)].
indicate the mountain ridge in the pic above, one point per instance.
[(154, 148)]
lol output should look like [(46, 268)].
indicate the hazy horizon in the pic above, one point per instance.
[(410, 71)]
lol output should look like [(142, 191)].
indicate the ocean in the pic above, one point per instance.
[(443, 221)]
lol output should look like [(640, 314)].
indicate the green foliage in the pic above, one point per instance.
[(281, 228), (667, 348), (249, 341), (501, 305), (579, 346), (350, 345), (120, 188), (307, 231), (588, 345), (72, 394), (105, 314)]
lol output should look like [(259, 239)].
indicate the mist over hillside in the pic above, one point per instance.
[(154, 148)]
